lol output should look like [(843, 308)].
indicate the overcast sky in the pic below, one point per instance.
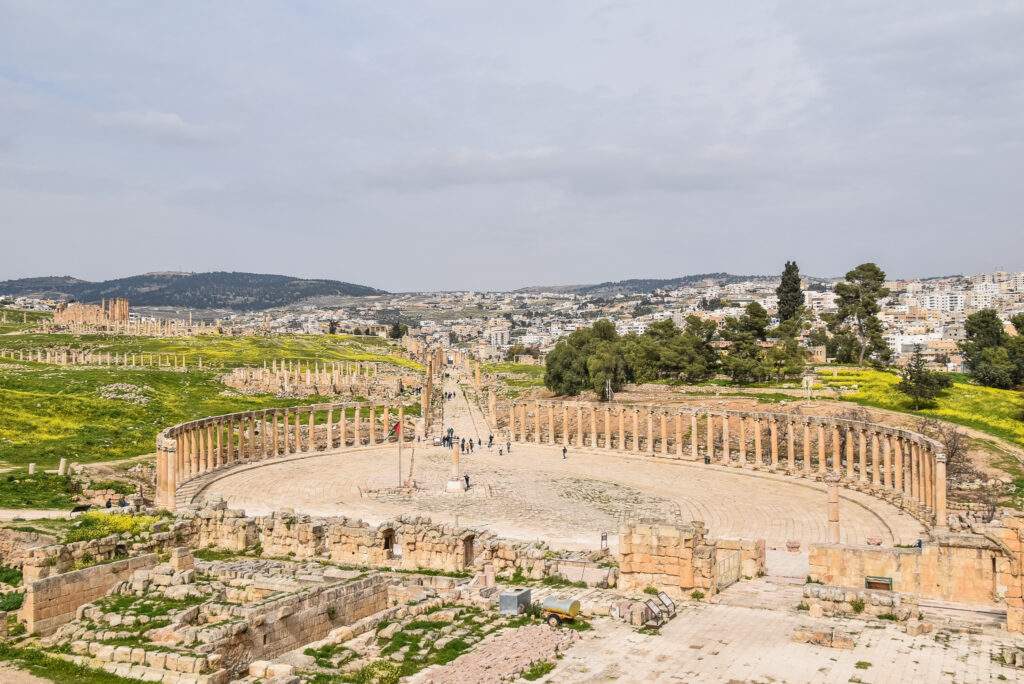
[(492, 145)]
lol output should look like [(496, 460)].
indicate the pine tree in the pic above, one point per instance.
[(791, 297), (919, 383)]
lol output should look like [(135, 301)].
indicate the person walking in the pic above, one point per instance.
[(565, 450)]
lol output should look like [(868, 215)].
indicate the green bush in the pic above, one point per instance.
[(9, 575), (12, 601), (857, 605), (95, 525), (538, 670), (697, 594)]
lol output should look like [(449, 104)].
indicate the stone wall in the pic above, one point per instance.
[(752, 554), (962, 569), (52, 601), (278, 625), (839, 602), (672, 558), (16, 546)]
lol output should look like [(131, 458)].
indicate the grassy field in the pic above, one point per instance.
[(48, 412), (994, 411), (19, 320), (228, 351), (519, 375)]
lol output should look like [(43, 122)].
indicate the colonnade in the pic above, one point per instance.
[(84, 357), (905, 468), (191, 449)]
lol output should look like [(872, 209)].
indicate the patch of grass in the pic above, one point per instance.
[(42, 490), (211, 554), (56, 669), (653, 591), (862, 665), (11, 576), (579, 625), (857, 605), (98, 525), (49, 411), (538, 670), (697, 595), (803, 606), (888, 616), (117, 486), (994, 411), (452, 650), (11, 601), (559, 581)]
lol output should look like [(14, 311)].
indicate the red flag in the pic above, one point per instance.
[(396, 429)]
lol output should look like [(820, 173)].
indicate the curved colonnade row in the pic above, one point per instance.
[(902, 467), (194, 448)]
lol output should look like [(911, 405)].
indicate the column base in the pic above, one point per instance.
[(455, 486)]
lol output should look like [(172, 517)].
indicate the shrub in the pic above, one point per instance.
[(538, 670), (12, 601), (9, 575), (117, 486), (857, 605), (99, 525), (653, 591), (697, 594), (803, 606)]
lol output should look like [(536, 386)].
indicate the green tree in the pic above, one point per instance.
[(858, 308), (565, 369), (398, 331), (994, 368), (919, 383), (791, 297)]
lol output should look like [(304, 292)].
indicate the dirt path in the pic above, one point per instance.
[(9, 675)]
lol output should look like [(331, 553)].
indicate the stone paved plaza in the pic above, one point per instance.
[(737, 643), (533, 493)]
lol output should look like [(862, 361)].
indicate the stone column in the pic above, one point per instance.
[(897, 453), (741, 451), (709, 447), (636, 430), (693, 436), (357, 426), (593, 426), (330, 427), (822, 458), (679, 433), (941, 520), (886, 461), (579, 426), (726, 454), (456, 483), (807, 447), (758, 452), (622, 428), (664, 434), (298, 430), (537, 422), (837, 455), (386, 430), (372, 424), (773, 438), (915, 469), (650, 430), (848, 431), (929, 482), (607, 426), (565, 424), (874, 459), (311, 437), (274, 436), (492, 408), (791, 445), (862, 444), (551, 422), (833, 512)]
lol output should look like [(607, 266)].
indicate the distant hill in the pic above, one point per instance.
[(647, 285), (219, 289)]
